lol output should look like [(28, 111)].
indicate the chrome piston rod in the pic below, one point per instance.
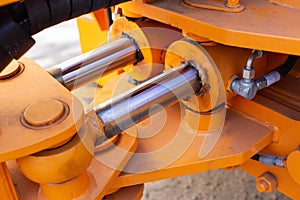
[(89, 66), (133, 106)]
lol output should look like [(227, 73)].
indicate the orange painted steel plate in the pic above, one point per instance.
[(262, 25), (281, 146), (287, 3), (128, 193), (235, 146), (32, 85)]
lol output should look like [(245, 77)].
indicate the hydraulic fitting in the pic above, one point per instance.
[(270, 160), (246, 87)]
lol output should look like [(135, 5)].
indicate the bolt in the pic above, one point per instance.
[(266, 182), (262, 186)]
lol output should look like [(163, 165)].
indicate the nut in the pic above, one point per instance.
[(266, 182), (248, 74)]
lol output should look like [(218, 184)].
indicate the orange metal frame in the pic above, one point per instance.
[(265, 26)]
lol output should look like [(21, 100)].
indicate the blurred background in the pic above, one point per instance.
[(59, 43)]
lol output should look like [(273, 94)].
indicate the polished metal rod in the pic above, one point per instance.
[(89, 66), (133, 106)]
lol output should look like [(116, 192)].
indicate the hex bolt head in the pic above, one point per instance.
[(266, 182), (44, 112)]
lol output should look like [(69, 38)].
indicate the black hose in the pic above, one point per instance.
[(14, 40), (284, 69), (276, 74), (46, 13)]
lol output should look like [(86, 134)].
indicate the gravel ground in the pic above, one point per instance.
[(60, 43)]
